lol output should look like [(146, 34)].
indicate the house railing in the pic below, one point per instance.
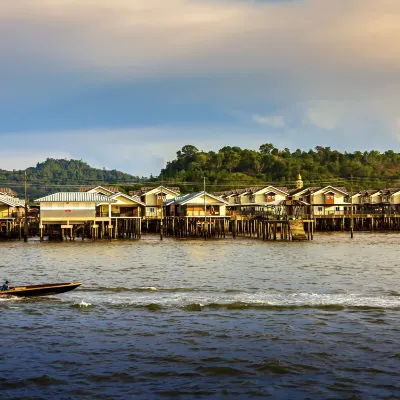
[(8, 214), (116, 214)]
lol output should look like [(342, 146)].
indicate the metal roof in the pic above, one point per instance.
[(187, 197), (111, 189), (11, 201), (147, 190), (8, 192), (76, 197), (136, 199)]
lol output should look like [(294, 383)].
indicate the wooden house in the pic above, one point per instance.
[(68, 208), (124, 207), (391, 196), (193, 205), (11, 211), (11, 207), (153, 199), (374, 201), (253, 200), (371, 196), (323, 201), (91, 213)]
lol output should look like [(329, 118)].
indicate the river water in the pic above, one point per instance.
[(223, 319)]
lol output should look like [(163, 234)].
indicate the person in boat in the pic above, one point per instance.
[(6, 286)]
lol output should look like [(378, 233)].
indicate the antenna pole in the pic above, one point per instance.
[(351, 209), (26, 211), (205, 210), (161, 211)]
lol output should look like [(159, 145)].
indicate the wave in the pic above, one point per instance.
[(137, 289), (121, 289), (82, 304), (236, 306), (197, 301)]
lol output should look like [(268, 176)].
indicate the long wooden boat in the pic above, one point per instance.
[(46, 289)]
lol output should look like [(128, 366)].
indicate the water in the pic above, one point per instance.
[(192, 320)]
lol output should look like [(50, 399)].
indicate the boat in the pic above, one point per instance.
[(46, 289)]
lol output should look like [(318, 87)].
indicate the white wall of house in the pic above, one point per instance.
[(268, 195), (395, 198), (153, 197), (65, 211), (323, 197), (332, 210)]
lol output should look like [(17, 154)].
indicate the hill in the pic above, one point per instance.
[(62, 175), (230, 167), (233, 166)]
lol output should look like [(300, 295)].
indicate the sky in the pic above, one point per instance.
[(124, 84)]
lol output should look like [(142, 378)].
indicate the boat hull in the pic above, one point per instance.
[(40, 290)]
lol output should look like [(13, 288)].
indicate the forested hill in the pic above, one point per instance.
[(61, 175), (230, 167), (233, 166)]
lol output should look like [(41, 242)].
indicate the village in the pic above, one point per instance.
[(268, 213)]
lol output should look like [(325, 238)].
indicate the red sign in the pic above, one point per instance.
[(67, 210)]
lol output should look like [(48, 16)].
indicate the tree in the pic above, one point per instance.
[(231, 160), (266, 148), (187, 151)]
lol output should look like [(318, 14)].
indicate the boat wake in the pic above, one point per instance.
[(200, 300), (82, 304)]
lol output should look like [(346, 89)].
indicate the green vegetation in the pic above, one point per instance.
[(235, 167), (61, 175), (230, 167)]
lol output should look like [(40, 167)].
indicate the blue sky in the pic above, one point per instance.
[(124, 84)]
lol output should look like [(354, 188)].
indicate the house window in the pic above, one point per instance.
[(320, 209), (300, 199), (270, 197), (337, 208), (330, 198), (151, 209)]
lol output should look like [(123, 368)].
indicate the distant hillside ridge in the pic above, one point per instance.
[(62, 175), (229, 168), (233, 166)]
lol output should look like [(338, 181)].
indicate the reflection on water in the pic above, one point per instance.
[(193, 319)]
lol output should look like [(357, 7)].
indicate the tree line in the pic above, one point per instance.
[(230, 167), (233, 166), (56, 174)]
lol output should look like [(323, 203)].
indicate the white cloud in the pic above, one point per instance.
[(326, 114), (133, 38), (24, 158), (274, 121), (138, 151), (345, 52)]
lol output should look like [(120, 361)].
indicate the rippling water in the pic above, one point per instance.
[(191, 319)]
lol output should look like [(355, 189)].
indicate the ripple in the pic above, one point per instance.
[(222, 370)]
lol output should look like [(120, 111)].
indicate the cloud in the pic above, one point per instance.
[(133, 38), (24, 158), (138, 151), (309, 66), (274, 121), (326, 115)]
